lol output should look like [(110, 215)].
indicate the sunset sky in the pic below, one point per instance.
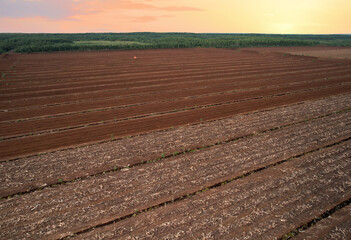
[(217, 16)]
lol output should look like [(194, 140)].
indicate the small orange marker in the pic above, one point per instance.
[(135, 57)]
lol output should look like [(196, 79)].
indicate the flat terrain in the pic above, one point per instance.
[(341, 53), (175, 144), (338, 53)]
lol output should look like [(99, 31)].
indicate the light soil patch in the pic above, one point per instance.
[(335, 53), (109, 43)]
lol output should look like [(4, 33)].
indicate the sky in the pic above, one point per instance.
[(200, 16)]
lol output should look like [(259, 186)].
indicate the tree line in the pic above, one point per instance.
[(27, 43)]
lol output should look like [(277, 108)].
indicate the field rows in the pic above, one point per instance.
[(83, 204), (85, 73), (296, 190), (126, 69), (146, 92), (47, 169), (172, 85), (187, 144), (149, 107), (153, 108), (194, 76), (337, 226), (127, 100), (98, 133), (119, 62)]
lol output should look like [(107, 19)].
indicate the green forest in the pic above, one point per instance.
[(28, 43)]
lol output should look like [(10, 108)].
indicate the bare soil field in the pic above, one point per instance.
[(342, 53), (336, 226), (176, 144), (337, 53)]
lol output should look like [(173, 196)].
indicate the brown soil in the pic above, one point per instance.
[(294, 49), (336, 226), (215, 81), (339, 54), (115, 73), (76, 206), (47, 169), (276, 126), (91, 134), (114, 77), (264, 205), (84, 119), (209, 87), (320, 52)]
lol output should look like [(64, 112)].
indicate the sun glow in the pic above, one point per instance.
[(227, 16)]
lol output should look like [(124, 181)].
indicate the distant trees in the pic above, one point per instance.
[(27, 43)]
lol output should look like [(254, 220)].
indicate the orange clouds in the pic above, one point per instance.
[(260, 16)]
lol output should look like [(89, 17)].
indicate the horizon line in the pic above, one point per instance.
[(316, 34)]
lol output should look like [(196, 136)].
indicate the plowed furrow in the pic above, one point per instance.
[(120, 101), (112, 79), (84, 74), (32, 63), (84, 204), (47, 169), (263, 205), (18, 96), (100, 117), (336, 226), (75, 137), (152, 90), (143, 65)]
